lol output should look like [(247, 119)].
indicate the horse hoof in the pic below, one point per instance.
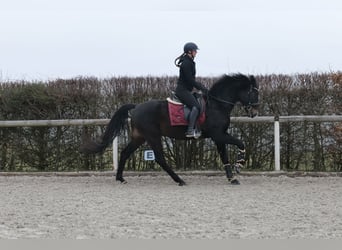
[(122, 180), (181, 183), (235, 182)]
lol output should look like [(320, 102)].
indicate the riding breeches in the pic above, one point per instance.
[(187, 98)]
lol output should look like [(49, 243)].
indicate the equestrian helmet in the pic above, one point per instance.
[(190, 47)]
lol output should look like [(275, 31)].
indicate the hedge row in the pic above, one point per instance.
[(304, 146)]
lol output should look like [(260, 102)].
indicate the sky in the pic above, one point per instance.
[(48, 39)]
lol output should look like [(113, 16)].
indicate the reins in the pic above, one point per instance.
[(249, 105), (220, 100)]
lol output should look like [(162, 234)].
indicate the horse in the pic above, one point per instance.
[(150, 121)]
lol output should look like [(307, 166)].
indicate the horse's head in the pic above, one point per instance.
[(249, 97), (237, 88)]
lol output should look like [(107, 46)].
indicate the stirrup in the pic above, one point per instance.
[(193, 134), (197, 134), (190, 133)]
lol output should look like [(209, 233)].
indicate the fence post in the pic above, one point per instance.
[(276, 144), (115, 154)]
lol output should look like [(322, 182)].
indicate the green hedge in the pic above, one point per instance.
[(304, 146)]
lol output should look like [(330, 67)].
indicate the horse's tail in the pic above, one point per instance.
[(115, 126)]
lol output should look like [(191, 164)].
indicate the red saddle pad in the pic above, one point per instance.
[(177, 117)]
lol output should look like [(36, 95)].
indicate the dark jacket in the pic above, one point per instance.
[(187, 73)]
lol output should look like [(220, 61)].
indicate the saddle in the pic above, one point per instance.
[(179, 113)]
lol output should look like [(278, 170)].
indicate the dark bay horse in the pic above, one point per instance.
[(150, 121)]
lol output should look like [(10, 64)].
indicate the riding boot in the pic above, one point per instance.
[(191, 132)]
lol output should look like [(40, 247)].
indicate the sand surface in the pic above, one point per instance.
[(154, 207)]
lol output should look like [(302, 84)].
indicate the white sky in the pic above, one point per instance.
[(66, 38)]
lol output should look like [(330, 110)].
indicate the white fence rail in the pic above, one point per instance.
[(261, 119)]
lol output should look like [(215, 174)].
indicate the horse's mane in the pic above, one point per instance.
[(234, 81)]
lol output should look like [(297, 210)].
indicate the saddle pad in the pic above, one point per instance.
[(177, 117)]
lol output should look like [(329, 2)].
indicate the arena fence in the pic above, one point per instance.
[(261, 119)]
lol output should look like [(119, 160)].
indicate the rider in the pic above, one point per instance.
[(186, 83)]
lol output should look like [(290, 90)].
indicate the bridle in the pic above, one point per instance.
[(251, 104), (248, 106)]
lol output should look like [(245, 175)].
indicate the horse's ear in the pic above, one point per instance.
[(252, 80)]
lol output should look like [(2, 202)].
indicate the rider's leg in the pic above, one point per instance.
[(192, 121), (190, 101)]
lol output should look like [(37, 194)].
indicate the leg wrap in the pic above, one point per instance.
[(241, 157)]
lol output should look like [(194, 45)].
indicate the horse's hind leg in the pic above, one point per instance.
[(156, 145), (133, 145)]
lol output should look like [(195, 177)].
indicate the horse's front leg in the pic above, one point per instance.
[(225, 138), (222, 150)]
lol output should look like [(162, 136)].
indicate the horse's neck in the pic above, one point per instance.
[(226, 97)]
